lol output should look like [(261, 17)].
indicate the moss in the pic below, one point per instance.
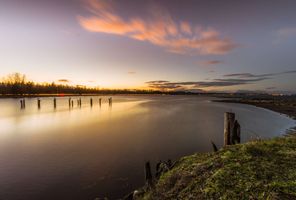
[(255, 170)]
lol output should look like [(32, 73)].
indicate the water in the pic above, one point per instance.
[(89, 152)]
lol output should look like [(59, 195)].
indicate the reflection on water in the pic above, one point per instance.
[(96, 151)]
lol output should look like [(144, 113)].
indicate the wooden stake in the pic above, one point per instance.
[(54, 103), (39, 103), (91, 102), (69, 102), (148, 174), (236, 133), (110, 101), (229, 119), (21, 101)]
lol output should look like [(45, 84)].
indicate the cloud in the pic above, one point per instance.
[(167, 85), (157, 82), (210, 62), (63, 80), (284, 34), (185, 28), (131, 72), (160, 29), (270, 88), (287, 32), (231, 80), (249, 75)]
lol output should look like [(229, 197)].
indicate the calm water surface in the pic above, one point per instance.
[(88, 152)]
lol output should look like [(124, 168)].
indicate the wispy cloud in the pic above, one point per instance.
[(131, 72), (160, 29), (63, 80), (210, 62), (249, 75), (287, 32), (270, 88), (200, 84), (229, 80), (186, 28), (284, 34)]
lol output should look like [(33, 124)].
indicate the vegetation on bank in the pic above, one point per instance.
[(254, 170), (15, 85)]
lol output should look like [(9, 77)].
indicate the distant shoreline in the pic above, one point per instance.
[(70, 95), (279, 106)]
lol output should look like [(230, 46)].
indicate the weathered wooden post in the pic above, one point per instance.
[(229, 119), (69, 102), (72, 102), (232, 129), (148, 174), (21, 101), (91, 102), (100, 102), (54, 103), (110, 101), (24, 103), (236, 133), (79, 102), (39, 103)]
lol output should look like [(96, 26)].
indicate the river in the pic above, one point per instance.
[(87, 152)]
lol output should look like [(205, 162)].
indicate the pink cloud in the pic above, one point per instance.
[(160, 30), (185, 27), (210, 62)]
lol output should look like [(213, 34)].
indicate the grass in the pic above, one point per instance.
[(255, 170)]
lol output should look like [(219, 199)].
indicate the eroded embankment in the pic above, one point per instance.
[(254, 170)]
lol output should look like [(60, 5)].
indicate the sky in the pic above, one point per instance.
[(229, 45)]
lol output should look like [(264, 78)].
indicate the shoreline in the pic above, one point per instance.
[(261, 168), (272, 106), (288, 110), (145, 193)]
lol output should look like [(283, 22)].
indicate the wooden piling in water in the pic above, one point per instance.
[(54, 103), (38, 103), (70, 103), (110, 101), (21, 102), (24, 103), (100, 102), (91, 102)]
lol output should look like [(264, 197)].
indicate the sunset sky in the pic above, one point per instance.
[(224, 45)]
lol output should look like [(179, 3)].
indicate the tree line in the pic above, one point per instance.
[(17, 85)]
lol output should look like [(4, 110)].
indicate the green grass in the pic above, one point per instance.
[(255, 170)]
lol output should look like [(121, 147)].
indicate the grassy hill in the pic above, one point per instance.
[(254, 170)]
